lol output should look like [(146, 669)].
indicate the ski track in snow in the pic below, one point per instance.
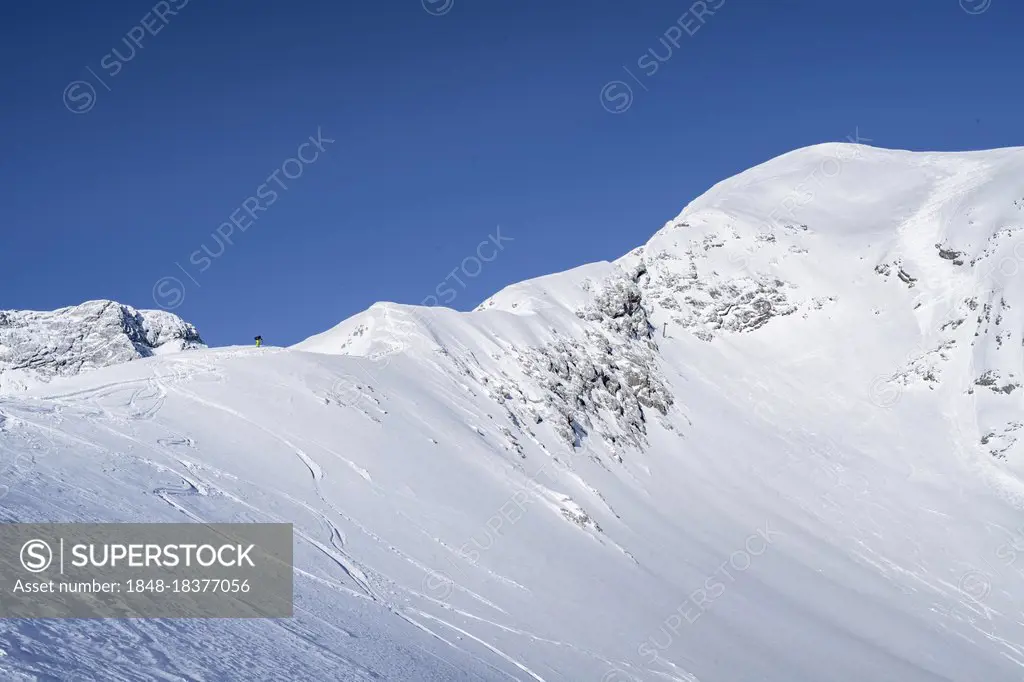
[(157, 390), (336, 549)]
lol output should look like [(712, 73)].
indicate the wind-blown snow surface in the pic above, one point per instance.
[(778, 442)]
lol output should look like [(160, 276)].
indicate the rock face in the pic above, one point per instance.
[(599, 385), (37, 346)]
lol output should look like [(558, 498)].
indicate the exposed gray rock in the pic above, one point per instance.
[(950, 254), (600, 385), (994, 382), (37, 346)]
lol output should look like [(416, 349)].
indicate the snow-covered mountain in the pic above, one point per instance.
[(37, 346), (776, 442)]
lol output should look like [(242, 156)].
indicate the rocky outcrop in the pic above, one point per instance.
[(602, 384), (37, 346)]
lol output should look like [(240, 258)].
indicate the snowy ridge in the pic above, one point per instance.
[(776, 442)]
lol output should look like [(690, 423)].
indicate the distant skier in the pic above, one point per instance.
[(259, 341)]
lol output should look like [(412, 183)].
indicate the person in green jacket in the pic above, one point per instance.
[(259, 341)]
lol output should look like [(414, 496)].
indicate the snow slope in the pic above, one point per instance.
[(777, 442)]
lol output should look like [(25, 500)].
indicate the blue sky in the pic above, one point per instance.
[(449, 118)]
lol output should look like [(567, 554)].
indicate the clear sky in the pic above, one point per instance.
[(132, 131)]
